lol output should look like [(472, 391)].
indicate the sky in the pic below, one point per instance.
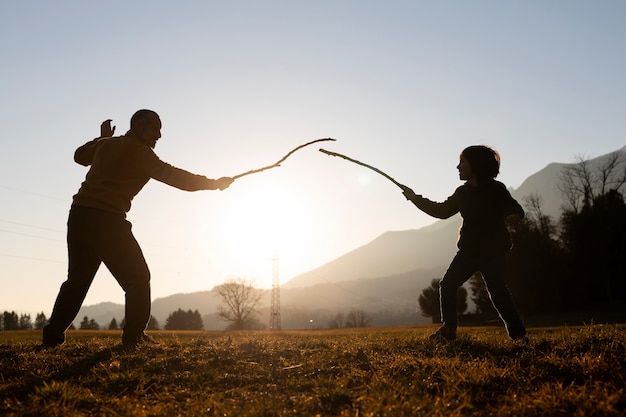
[(402, 85)]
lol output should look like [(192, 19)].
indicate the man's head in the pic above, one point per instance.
[(146, 125)]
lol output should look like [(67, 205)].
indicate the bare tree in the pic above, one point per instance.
[(358, 318), (336, 322), (240, 299), (534, 213), (612, 173), (581, 183)]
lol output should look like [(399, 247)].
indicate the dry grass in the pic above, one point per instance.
[(371, 372)]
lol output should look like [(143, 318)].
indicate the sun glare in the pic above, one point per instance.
[(262, 224)]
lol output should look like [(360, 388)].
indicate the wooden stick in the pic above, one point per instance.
[(254, 171), (363, 164)]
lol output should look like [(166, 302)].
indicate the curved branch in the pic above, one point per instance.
[(281, 160), (363, 164)]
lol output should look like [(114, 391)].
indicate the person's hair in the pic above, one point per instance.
[(141, 117), (484, 161)]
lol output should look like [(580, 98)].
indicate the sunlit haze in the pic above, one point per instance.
[(402, 85)]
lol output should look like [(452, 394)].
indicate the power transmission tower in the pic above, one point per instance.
[(275, 309)]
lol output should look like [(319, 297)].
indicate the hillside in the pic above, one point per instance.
[(392, 294), (395, 252)]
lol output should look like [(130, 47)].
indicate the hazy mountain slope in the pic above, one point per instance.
[(391, 253), (544, 183), (102, 313), (204, 301), (391, 293)]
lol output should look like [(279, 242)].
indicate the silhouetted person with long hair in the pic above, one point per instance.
[(98, 231), (488, 211)]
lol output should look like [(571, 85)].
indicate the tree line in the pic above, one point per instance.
[(571, 264), (239, 302), (354, 318), (177, 320), (10, 320)]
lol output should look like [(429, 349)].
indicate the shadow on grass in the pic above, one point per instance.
[(60, 358)]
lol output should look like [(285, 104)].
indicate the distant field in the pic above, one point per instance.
[(563, 371)]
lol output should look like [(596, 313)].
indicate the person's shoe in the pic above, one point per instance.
[(443, 333), (519, 337), (522, 340), (135, 341), (51, 339)]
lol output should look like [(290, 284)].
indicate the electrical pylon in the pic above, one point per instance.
[(275, 309)]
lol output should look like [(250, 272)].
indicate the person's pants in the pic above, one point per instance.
[(94, 237), (493, 270)]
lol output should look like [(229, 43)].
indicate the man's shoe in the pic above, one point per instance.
[(443, 333)]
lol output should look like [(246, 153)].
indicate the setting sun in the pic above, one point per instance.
[(260, 224)]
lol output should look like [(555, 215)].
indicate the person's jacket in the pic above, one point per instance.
[(120, 167), (483, 209)]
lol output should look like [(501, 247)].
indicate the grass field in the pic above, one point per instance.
[(568, 371)]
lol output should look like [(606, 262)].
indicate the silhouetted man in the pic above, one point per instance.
[(98, 231)]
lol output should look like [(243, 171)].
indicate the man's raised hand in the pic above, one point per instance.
[(106, 131)]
